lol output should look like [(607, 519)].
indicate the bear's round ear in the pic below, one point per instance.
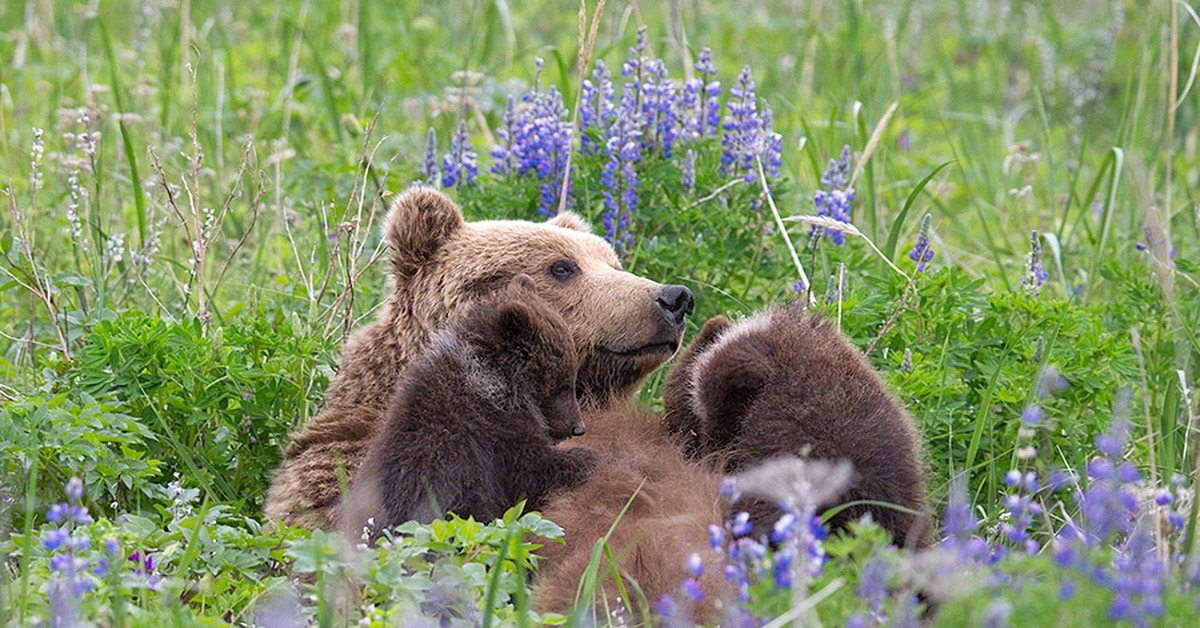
[(522, 283), (711, 330), (420, 222), (570, 220), (516, 324)]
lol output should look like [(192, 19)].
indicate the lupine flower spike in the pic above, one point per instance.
[(429, 169), (834, 197), (922, 252), (459, 166), (1034, 275)]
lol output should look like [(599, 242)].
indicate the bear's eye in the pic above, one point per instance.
[(563, 269)]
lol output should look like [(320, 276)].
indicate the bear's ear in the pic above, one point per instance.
[(420, 222), (516, 324), (729, 379), (711, 330), (522, 283), (570, 220)]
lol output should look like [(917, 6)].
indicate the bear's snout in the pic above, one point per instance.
[(675, 302)]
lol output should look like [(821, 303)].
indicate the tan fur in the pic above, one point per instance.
[(667, 520), (442, 265)]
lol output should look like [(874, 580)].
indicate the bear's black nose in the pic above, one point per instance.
[(578, 430), (675, 302)]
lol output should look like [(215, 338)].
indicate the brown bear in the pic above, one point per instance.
[(624, 327), (473, 424), (787, 383)]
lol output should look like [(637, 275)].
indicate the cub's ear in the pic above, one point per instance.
[(570, 220), (516, 324), (729, 379), (712, 328), (420, 222), (522, 284)]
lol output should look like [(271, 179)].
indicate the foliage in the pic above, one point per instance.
[(191, 200)]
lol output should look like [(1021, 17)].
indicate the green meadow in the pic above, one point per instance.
[(192, 192)]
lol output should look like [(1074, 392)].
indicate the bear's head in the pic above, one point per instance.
[(521, 339), (623, 326)]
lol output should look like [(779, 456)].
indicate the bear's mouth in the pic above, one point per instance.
[(652, 349)]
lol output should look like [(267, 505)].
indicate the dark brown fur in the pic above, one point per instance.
[(788, 383), (473, 425)]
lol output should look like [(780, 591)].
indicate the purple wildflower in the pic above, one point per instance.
[(429, 168), (872, 587), (834, 199), (692, 588), (459, 166), (502, 155), (1034, 275), (1032, 415), (748, 135), (537, 141), (922, 252), (689, 171), (596, 109)]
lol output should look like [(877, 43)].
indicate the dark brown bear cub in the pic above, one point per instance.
[(472, 427), (786, 383)]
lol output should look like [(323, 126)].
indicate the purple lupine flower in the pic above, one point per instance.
[(708, 115), (689, 171), (692, 588), (429, 168), (716, 537), (623, 147), (922, 252), (1137, 580), (1155, 241), (70, 577), (695, 565), (1022, 509), (872, 587), (1034, 275), (834, 199), (748, 135), (459, 166), (658, 110), (1032, 415), (596, 109), (537, 142), (502, 155)]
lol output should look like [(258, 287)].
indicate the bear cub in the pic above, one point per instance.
[(787, 383), (472, 426)]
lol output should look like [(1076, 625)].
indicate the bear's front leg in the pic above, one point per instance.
[(538, 476)]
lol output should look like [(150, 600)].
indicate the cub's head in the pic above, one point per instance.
[(524, 342), (621, 325)]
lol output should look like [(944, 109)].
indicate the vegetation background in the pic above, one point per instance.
[(192, 191)]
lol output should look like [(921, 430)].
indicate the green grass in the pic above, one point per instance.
[(272, 133)]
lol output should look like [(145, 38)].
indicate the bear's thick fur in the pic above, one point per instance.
[(624, 327), (473, 424), (787, 383)]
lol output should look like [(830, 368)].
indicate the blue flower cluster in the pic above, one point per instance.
[(748, 135), (648, 115), (71, 569), (459, 166), (834, 197), (793, 549), (536, 139)]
